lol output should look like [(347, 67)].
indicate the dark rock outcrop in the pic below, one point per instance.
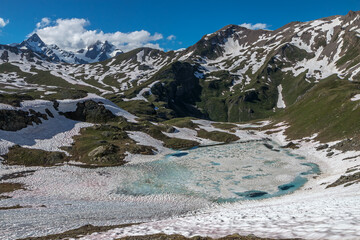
[(291, 145), (14, 120), (322, 147), (90, 111), (18, 155), (180, 89)]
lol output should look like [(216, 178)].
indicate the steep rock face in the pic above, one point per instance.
[(179, 88), (35, 44), (101, 51)]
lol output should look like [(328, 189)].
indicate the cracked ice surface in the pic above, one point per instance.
[(313, 212)]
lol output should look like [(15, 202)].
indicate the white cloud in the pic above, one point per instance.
[(171, 37), (255, 26), (44, 22), (3, 22), (72, 35)]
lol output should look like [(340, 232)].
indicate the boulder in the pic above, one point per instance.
[(322, 147), (103, 150)]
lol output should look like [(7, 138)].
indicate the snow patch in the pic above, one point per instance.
[(355, 98), (280, 102)]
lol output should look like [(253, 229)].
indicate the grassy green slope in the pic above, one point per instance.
[(326, 109)]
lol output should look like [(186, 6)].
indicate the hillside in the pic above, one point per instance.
[(234, 74)]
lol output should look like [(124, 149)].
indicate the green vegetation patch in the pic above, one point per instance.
[(95, 83), (62, 93), (112, 80), (14, 99), (217, 136), (295, 87), (326, 109), (180, 144), (213, 99), (224, 126), (139, 108), (182, 122), (47, 79), (33, 157), (106, 145), (9, 68), (151, 111), (173, 143)]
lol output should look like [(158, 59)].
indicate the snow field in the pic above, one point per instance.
[(310, 213)]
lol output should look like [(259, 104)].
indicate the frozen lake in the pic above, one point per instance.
[(66, 197), (222, 173)]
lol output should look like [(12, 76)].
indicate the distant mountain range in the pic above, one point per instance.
[(96, 52), (234, 74)]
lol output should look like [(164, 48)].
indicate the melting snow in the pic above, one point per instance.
[(146, 140), (280, 102), (355, 98)]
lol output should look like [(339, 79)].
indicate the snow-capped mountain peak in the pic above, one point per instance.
[(99, 51), (34, 43)]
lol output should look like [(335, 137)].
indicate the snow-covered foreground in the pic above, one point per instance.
[(334, 214), (310, 213), (65, 197), (176, 193)]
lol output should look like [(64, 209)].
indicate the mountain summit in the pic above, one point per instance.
[(100, 51), (96, 52)]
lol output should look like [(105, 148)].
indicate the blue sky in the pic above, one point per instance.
[(187, 20)]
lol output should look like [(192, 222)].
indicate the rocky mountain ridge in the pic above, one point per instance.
[(234, 74), (96, 52)]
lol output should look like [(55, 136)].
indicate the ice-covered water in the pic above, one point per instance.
[(66, 197), (221, 173)]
